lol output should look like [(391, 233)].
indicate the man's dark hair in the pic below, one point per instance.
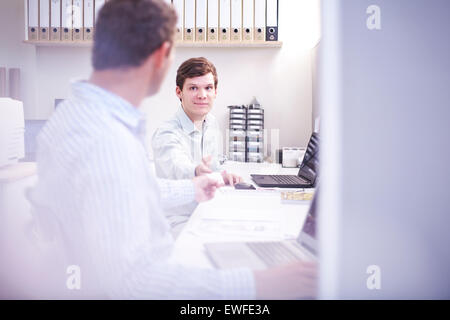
[(195, 67), (128, 31)]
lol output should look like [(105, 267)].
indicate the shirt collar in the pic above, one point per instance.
[(187, 124), (118, 107)]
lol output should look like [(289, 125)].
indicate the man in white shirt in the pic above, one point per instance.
[(188, 144), (98, 192)]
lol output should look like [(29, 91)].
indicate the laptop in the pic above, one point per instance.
[(264, 254), (306, 177)]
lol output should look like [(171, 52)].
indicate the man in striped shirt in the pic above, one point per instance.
[(96, 187)]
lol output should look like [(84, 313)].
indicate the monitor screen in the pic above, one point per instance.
[(307, 237), (310, 163)]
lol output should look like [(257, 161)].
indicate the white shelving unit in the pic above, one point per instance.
[(267, 44), (183, 44)]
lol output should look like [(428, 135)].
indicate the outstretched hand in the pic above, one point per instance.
[(205, 188)]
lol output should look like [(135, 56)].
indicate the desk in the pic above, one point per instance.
[(253, 215)]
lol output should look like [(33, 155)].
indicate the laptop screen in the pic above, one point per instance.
[(310, 163), (307, 237)]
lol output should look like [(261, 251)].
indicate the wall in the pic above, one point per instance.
[(315, 87), (385, 102), (15, 54), (280, 78)]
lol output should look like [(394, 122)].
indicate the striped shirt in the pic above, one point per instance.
[(95, 181)]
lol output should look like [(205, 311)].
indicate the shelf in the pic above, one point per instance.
[(87, 44), (267, 44), (46, 43)]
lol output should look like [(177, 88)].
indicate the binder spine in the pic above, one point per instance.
[(200, 20), (44, 19), (272, 20), (77, 17), (236, 20), (33, 20), (224, 20), (179, 8), (66, 20), (189, 20), (55, 20), (213, 21), (248, 14), (260, 20), (88, 20)]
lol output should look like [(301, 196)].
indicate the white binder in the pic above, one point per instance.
[(260, 20), (247, 20), (224, 20), (88, 20), (272, 20), (98, 4), (66, 20), (200, 20), (236, 20), (189, 20), (213, 20), (179, 8), (33, 20), (55, 20), (77, 17), (44, 19)]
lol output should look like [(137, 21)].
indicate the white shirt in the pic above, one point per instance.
[(179, 147), (95, 181)]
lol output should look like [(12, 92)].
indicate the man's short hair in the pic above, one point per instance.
[(127, 32), (195, 67)]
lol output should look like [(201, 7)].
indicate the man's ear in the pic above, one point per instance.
[(178, 92), (162, 54)]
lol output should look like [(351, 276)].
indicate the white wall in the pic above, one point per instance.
[(280, 78), (15, 54)]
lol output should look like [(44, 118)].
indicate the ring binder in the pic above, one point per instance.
[(44, 19), (236, 20), (33, 20), (224, 20), (272, 20)]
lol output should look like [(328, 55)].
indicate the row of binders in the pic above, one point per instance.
[(62, 20), (198, 20), (226, 20)]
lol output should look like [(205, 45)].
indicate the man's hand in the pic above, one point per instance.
[(205, 188), (293, 281), (230, 178), (204, 167)]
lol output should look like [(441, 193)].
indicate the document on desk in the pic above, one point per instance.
[(234, 213), (241, 215), (238, 228)]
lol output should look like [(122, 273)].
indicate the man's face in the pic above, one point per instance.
[(197, 96)]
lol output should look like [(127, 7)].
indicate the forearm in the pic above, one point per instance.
[(176, 192), (164, 280)]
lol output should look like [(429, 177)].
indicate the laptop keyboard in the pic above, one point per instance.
[(272, 253), (285, 179)]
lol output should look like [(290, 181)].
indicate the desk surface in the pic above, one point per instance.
[(240, 215)]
